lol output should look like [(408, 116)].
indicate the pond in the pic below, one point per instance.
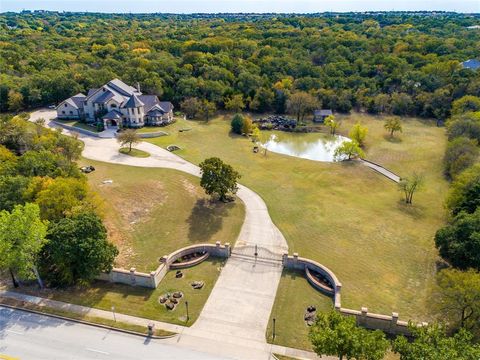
[(312, 146)]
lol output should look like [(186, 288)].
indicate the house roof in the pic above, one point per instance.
[(75, 101), (107, 95), (113, 115), (91, 91), (122, 88), (166, 105), (149, 101), (323, 112), (473, 64), (133, 102)]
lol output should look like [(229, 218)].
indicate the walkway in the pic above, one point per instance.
[(238, 309), (381, 170)]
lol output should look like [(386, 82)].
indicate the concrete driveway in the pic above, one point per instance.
[(239, 306)]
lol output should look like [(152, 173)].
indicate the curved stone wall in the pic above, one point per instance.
[(151, 280), (299, 263)]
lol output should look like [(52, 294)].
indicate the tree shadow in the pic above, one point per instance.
[(414, 210), (392, 139), (206, 219)]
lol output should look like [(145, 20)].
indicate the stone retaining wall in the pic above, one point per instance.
[(298, 263), (152, 279), (386, 323), (76, 129)]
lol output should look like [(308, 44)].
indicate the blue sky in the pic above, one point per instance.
[(191, 6)]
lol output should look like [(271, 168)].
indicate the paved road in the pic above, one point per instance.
[(29, 336), (238, 309)]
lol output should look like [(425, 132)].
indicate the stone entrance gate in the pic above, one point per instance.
[(258, 252)]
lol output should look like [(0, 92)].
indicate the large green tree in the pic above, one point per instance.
[(77, 251), (432, 343), (218, 178), (337, 335), (22, 237), (459, 241), (458, 299)]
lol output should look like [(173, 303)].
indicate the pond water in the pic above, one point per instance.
[(312, 146)]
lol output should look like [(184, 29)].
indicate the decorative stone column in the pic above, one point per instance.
[(363, 316), (132, 276)]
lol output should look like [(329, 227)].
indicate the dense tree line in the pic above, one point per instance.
[(50, 228), (400, 63)]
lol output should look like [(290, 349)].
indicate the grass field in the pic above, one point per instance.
[(152, 212), (143, 302), (78, 124), (345, 215), (134, 152), (294, 295)]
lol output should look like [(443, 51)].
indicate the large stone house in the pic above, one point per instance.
[(117, 104)]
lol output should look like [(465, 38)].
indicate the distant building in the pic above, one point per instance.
[(115, 104), (320, 115), (473, 64)]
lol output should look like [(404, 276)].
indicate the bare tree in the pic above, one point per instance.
[(410, 185)]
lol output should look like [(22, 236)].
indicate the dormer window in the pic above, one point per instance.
[(65, 105)]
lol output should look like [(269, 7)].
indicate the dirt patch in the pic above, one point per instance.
[(128, 206), (189, 187)]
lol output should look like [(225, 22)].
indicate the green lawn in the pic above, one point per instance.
[(151, 212), (134, 152), (344, 215), (143, 302), (78, 124), (294, 295)]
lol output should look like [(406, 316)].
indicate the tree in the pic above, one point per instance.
[(247, 125), (22, 236), (460, 154), (459, 242), (70, 147), (348, 149), (15, 134), (8, 161), (458, 298), (77, 250), (237, 124), (207, 109), (338, 335), (432, 343), (467, 125), (466, 104), (263, 100), (392, 125), (401, 103), (332, 123), (300, 103), (358, 133), (12, 190), (190, 106), (235, 103), (60, 196), (15, 101), (410, 185), (255, 133), (128, 137), (218, 178), (464, 192)]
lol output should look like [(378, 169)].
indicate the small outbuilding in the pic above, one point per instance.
[(320, 115)]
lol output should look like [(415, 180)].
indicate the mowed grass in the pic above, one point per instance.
[(134, 152), (151, 212), (344, 215), (294, 295), (143, 302)]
